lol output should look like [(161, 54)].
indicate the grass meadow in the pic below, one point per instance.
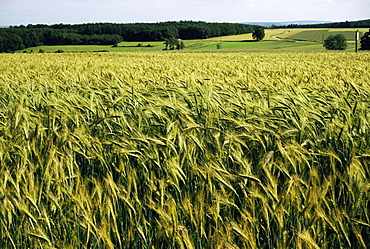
[(185, 150)]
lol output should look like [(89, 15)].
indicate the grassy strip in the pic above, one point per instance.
[(190, 45)]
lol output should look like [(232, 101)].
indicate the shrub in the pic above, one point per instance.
[(335, 42), (365, 41)]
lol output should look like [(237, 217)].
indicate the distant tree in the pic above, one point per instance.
[(173, 43), (166, 44), (259, 33), (335, 42), (365, 41), (180, 45)]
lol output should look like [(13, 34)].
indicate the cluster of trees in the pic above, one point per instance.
[(10, 42), (173, 43), (12, 39), (20, 37)]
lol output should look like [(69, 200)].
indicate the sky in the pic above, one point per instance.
[(17, 12)]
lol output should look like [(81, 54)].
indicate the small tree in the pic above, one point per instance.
[(180, 45), (335, 42), (166, 43), (365, 41), (259, 33), (173, 43)]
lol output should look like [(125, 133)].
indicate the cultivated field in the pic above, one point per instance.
[(185, 150), (319, 34)]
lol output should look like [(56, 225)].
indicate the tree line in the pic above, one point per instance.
[(346, 24), (20, 37)]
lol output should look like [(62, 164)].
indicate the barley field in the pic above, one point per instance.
[(185, 150)]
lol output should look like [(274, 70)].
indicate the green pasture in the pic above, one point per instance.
[(123, 46)]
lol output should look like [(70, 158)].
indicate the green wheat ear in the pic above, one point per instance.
[(184, 150)]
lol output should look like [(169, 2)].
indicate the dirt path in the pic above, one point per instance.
[(277, 36)]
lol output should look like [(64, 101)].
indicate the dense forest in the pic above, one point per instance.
[(20, 37), (347, 24)]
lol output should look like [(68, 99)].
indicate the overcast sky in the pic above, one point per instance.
[(16, 12)]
